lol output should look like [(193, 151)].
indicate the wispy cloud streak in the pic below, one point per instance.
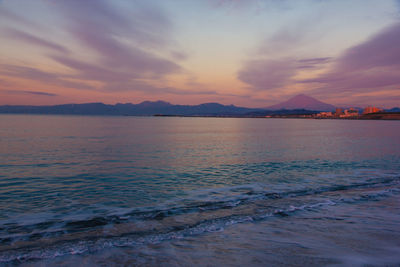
[(266, 74), (125, 49), (38, 93), (31, 39), (123, 45)]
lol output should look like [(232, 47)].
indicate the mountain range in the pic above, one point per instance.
[(300, 104), (146, 108)]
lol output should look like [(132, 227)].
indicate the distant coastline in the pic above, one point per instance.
[(164, 109), (372, 116)]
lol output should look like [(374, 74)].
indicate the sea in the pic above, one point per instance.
[(179, 191)]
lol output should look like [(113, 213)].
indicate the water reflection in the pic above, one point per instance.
[(142, 160)]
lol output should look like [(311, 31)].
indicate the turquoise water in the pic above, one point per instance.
[(101, 190)]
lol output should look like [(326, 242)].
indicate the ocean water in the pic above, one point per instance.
[(155, 191)]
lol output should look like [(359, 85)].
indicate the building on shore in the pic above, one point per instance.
[(338, 112), (349, 113), (370, 113), (368, 110), (324, 115)]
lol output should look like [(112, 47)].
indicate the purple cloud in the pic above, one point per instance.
[(271, 74), (317, 60), (267, 74), (91, 71), (147, 25), (312, 63), (127, 45), (123, 45), (27, 73), (31, 39), (369, 66), (35, 74), (30, 93), (382, 50), (14, 18), (255, 5)]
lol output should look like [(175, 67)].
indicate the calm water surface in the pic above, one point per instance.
[(98, 190)]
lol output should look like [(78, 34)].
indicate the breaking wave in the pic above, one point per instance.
[(200, 212)]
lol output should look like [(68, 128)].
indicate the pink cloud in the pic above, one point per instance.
[(38, 93), (127, 47), (264, 74), (267, 74), (120, 65), (369, 66)]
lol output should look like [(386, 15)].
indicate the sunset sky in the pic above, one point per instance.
[(252, 53)]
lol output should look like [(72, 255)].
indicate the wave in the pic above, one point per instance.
[(181, 218), (200, 201)]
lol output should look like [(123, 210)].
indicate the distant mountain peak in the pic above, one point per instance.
[(158, 103), (302, 101), (302, 95), (211, 104)]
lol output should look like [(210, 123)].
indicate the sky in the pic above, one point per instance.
[(252, 53)]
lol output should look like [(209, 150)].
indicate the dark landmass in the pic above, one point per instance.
[(146, 108), (396, 109), (298, 105), (149, 108), (282, 112), (304, 102), (161, 108), (381, 116)]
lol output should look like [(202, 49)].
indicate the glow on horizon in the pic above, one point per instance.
[(249, 53)]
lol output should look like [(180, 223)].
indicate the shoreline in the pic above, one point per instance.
[(372, 116)]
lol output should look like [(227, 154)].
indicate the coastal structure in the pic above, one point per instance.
[(324, 115), (369, 110), (350, 113), (338, 112)]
